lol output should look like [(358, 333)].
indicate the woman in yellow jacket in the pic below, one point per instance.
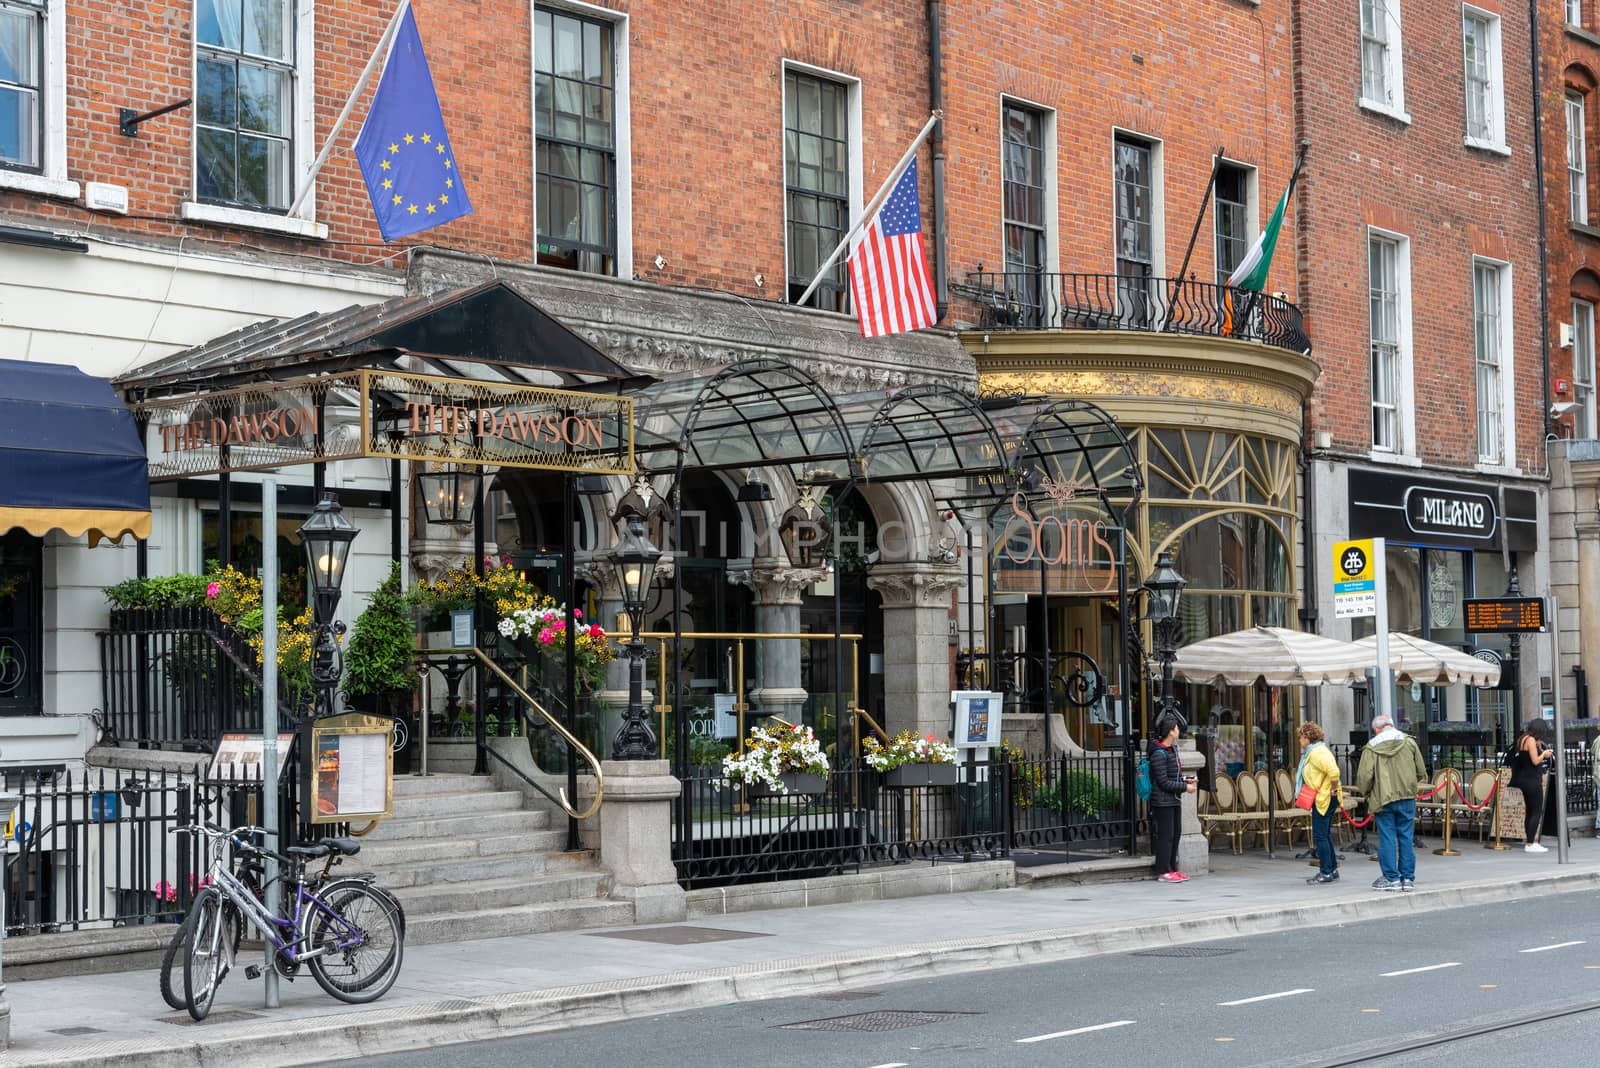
[(1320, 771)]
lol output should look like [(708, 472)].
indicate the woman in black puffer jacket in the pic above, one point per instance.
[(1167, 787)]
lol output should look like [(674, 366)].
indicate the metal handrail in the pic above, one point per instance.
[(582, 750)]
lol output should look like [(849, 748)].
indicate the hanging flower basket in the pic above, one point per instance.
[(801, 783), (909, 775)]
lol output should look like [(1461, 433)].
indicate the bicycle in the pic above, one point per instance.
[(346, 932), (250, 872)]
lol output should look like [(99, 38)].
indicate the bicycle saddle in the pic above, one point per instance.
[(344, 847)]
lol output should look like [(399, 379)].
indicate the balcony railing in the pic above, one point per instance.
[(1040, 301)]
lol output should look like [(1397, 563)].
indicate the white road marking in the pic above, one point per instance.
[(1265, 997), (1558, 945), (893, 1064), (1076, 1031), (1414, 971)]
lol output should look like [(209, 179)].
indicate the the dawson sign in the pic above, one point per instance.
[(389, 415)]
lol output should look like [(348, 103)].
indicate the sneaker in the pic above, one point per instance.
[(1406, 885), (1535, 847), (1385, 884), (1168, 877), (1323, 877), (1179, 877)]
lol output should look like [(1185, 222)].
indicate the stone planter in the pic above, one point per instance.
[(794, 782), (910, 775)]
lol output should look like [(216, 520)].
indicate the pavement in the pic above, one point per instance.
[(504, 987)]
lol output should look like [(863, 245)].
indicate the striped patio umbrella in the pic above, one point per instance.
[(1419, 660), (1276, 657)]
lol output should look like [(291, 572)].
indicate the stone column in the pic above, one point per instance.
[(1586, 509), (1194, 851), (916, 644), (778, 589), (636, 838)]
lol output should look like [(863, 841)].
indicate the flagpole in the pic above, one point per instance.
[(1288, 198), (874, 204), (1205, 202), (378, 54)]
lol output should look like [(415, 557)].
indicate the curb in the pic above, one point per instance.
[(370, 1032)]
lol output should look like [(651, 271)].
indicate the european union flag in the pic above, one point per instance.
[(403, 149)]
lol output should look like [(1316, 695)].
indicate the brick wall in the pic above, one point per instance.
[(1453, 202)]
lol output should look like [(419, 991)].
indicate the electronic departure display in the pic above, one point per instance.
[(1505, 615)]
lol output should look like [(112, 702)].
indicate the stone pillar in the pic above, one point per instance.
[(1586, 508), (1194, 851), (636, 838), (778, 589), (916, 644)]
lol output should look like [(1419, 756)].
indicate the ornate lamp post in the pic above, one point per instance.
[(1164, 589), (635, 559), (449, 493), (326, 537)]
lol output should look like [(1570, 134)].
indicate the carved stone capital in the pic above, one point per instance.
[(915, 585), (432, 557), (598, 572), (775, 583)]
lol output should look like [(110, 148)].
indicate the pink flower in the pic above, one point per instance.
[(213, 589), (577, 613), (597, 631), (547, 636)]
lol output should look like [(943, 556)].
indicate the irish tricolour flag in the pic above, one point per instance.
[(1251, 274)]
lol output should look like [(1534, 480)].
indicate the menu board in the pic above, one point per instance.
[(352, 771)]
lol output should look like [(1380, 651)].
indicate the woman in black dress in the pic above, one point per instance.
[(1527, 774)]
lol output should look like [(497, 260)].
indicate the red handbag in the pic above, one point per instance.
[(1306, 798)]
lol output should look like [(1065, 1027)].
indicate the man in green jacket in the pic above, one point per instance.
[(1391, 767)]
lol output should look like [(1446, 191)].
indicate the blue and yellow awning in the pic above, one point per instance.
[(71, 458)]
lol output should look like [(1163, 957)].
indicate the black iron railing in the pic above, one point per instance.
[(98, 849), (1050, 301), (1073, 802), (1468, 758), (179, 678)]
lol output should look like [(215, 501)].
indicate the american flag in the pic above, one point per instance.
[(889, 281)]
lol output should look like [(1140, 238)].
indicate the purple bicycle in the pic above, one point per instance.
[(347, 932)]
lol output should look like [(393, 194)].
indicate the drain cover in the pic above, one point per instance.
[(76, 1032), (846, 995), (183, 1019), (881, 1020), (680, 936), (1185, 951)]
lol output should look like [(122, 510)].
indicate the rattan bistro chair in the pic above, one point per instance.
[(1252, 804), (1284, 809), (1223, 815)]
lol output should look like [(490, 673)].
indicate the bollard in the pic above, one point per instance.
[(1450, 780), (1499, 788)]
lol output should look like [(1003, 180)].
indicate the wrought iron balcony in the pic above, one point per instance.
[(1040, 301)]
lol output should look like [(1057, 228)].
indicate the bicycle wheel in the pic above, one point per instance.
[(361, 940), (206, 950), (169, 959)]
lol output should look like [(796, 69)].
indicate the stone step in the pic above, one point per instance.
[(420, 806), (436, 783), (475, 825), (396, 876), (489, 894), (427, 929), (394, 853)]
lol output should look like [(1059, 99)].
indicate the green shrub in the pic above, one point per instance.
[(378, 658), (704, 752), (166, 591)]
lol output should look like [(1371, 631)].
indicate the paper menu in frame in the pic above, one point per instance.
[(977, 719), (363, 774), (239, 755)]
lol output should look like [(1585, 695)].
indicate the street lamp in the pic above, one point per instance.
[(450, 493), (635, 559), (326, 537), (804, 530), (1164, 589)]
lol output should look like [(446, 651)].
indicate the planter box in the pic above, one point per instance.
[(910, 775), (794, 782)]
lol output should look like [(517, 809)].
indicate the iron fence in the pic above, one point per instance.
[(1034, 300), (178, 678), (726, 834), (1071, 802), (1468, 758)]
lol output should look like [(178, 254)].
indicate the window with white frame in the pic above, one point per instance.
[(816, 155), (1583, 402), (245, 103), (22, 51), (1024, 193), (1134, 169), (1382, 82), (1574, 12), (1489, 354), (1232, 217), (1577, 159), (1480, 47), (1384, 319), (575, 134)]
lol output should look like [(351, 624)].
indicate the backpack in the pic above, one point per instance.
[(1141, 779)]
